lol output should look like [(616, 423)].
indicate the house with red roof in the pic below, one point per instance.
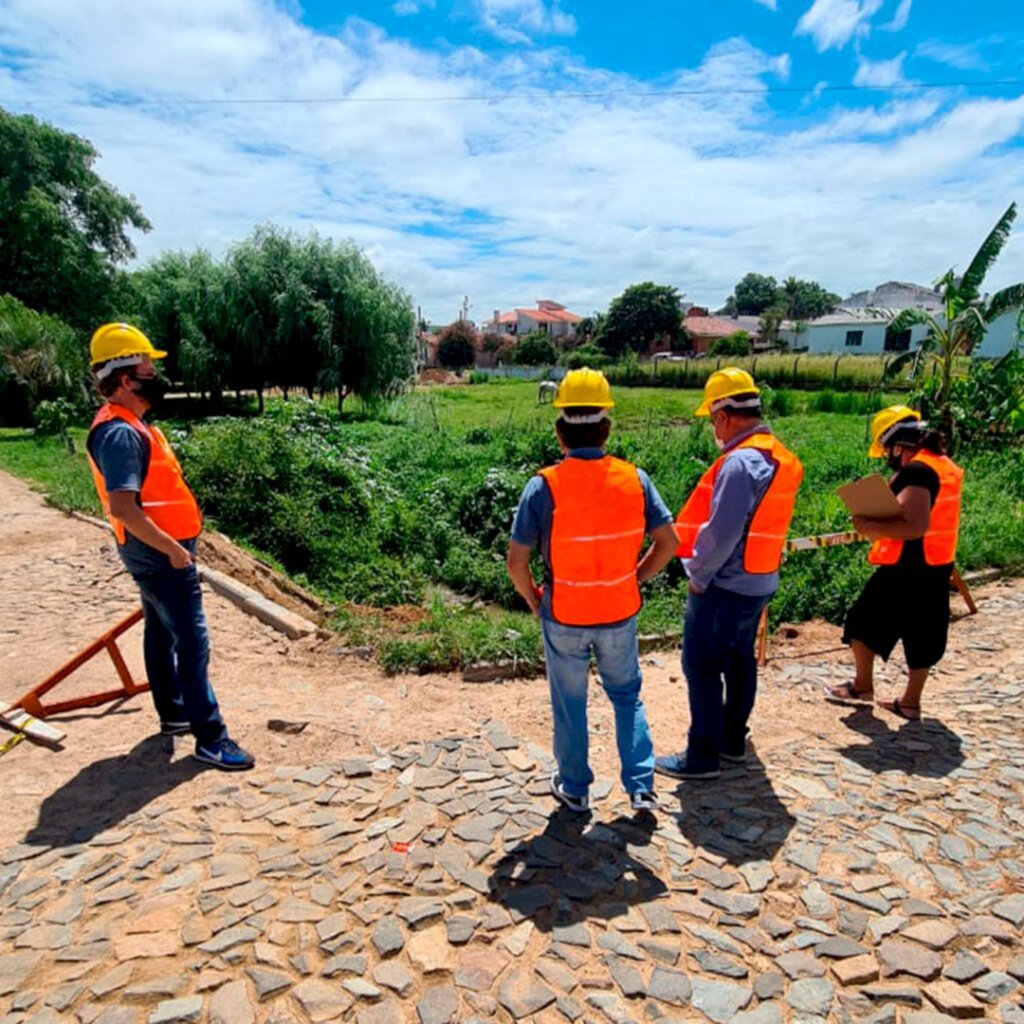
[(704, 329), (550, 317)]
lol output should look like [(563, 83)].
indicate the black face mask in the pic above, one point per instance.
[(150, 389), (895, 461)]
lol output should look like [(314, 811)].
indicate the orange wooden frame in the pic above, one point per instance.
[(108, 641)]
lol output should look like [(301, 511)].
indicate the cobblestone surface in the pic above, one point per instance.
[(437, 883)]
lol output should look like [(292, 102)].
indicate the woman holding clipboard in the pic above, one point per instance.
[(908, 596)]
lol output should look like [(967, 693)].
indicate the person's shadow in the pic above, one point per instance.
[(926, 748), (575, 870), (738, 816), (106, 792)]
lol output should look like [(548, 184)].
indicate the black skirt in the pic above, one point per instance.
[(897, 604)]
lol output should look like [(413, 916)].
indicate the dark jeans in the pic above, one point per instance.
[(176, 648), (719, 629)]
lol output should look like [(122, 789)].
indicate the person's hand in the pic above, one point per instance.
[(867, 527), (180, 557), (534, 600)]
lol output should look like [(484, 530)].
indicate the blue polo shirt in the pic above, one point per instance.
[(721, 542), (532, 523)]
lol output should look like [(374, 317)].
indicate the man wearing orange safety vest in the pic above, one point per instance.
[(908, 596), (156, 521), (732, 531), (589, 515)]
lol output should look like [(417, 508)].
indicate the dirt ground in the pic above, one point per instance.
[(61, 585)]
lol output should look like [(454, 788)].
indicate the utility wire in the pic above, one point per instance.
[(510, 97)]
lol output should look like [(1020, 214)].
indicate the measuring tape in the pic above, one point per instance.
[(824, 540), (11, 743)]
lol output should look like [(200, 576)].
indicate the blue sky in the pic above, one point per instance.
[(712, 139)]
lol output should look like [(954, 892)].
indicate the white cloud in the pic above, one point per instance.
[(521, 21), (403, 8), (880, 74), (900, 18), (772, 5), (506, 202), (833, 23), (963, 57)]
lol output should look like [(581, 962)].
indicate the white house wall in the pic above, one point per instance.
[(830, 339), (1000, 336)]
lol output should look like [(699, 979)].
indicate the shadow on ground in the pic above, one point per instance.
[(575, 870), (738, 816), (106, 792), (926, 748)]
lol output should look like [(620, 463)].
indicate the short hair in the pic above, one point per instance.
[(583, 435), (106, 385), (732, 406)]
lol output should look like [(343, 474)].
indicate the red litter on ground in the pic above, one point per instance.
[(400, 847)]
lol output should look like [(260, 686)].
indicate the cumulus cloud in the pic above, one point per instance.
[(505, 201), (833, 23), (880, 74), (403, 8), (521, 21)]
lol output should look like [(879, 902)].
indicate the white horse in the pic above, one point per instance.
[(546, 391)]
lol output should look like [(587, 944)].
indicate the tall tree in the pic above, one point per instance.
[(753, 294), (966, 314), (63, 229), (805, 300), (641, 315)]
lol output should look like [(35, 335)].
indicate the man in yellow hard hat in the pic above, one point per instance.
[(732, 531), (156, 520), (907, 599), (589, 515)]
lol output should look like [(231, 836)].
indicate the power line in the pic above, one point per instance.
[(511, 97)]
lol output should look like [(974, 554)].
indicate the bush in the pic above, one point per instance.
[(535, 349), (586, 355), (457, 346), (735, 344)]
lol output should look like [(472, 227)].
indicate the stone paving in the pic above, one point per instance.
[(880, 881)]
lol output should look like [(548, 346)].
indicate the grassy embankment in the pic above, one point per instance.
[(412, 508)]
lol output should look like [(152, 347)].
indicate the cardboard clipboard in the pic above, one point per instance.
[(870, 496)]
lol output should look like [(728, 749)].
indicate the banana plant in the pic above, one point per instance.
[(964, 319)]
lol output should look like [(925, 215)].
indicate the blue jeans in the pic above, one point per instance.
[(567, 650), (719, 629), (176, 649)]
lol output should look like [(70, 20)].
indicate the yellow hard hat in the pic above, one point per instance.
[(884, 421), (724, 384), (584, 387), (120, 341)]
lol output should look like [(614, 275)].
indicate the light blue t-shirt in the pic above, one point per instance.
[(721, 542), (532, 523)]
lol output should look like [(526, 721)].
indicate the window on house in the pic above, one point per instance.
[(854, 338), (897, 342)]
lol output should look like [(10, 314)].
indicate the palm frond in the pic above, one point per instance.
[(897, 364), (1004, 301), (974, 276), (903, 319)]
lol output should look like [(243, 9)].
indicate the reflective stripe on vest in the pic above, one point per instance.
[(769, 525), (597, 530), (940, 539), (165, 496)]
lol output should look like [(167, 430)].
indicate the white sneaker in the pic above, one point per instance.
[(579, 804), (644, 800)]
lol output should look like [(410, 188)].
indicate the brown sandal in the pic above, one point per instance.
[(846, 693), (908, 712)]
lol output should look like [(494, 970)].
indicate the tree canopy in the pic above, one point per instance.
[(641, 315), (796, 299), (456, 348), (63, 229)]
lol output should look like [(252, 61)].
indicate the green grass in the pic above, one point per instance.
[(412, 507)]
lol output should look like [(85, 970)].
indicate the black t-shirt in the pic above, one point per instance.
[(915, 474)]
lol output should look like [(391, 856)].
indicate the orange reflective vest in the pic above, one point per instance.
[(165, 497), (944, 524), (597, 531), (766, 535)]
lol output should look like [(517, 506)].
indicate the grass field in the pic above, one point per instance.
[(412, 507)]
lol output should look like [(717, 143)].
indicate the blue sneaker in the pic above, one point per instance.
[(678, 766), (225, 754)]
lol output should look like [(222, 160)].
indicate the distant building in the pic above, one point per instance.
[(896, 295), (550, 317), (704, 330)]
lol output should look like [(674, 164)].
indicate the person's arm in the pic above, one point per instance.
[(123, 506), (732, 499), (915, 516), (664, 542), (518, 563)]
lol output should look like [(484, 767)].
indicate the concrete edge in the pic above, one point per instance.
[(248, 600)]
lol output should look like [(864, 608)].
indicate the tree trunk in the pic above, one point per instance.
[(259, 400)]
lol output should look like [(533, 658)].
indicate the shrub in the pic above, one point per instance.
[(457, 346), (586, 355), (535, 349), (735, 344)]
